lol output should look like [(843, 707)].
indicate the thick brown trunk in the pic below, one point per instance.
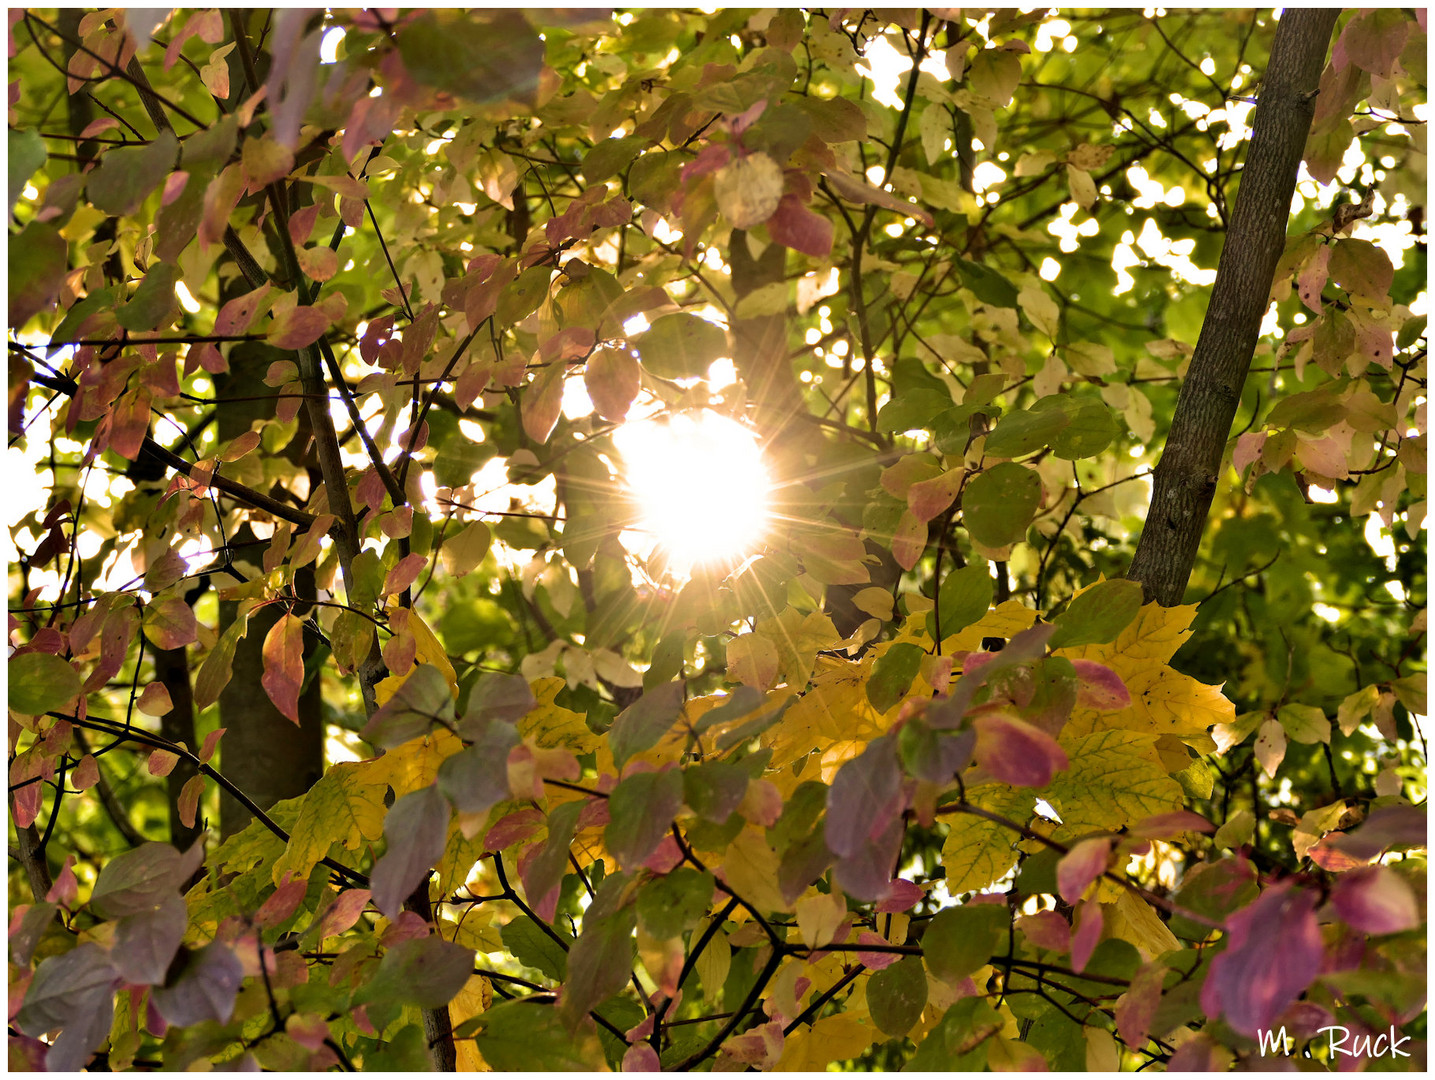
[(1186, 477)]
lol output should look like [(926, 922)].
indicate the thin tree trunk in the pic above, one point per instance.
[(1185, 479)]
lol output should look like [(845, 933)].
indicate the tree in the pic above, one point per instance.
[(750, 508)]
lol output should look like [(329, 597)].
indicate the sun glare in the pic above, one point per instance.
[(699, 483)]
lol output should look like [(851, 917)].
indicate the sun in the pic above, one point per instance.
[(700, 485)]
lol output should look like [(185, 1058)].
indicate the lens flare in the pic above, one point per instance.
[(699, 483)]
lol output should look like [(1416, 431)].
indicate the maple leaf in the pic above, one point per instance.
[(977, 851), (1114, 778), (1163, 701)]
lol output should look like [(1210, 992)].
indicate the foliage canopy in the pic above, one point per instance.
[(681, 470)]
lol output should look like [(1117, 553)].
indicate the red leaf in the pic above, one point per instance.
[(404, 573), (1273, 952), (1046, 930), (1017, 753), (1376, 900), (66, 889), (1099, 687), (188, 802), (1082, 865), (795, 226), (284, 665), (162, 762), (236, 316), (612, 379), (298, 327), (171, 624), (343, 912), (904, 895), (1086, 934), (543, 403)]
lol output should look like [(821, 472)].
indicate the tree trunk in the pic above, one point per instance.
[(1186, 477), (266, 756)]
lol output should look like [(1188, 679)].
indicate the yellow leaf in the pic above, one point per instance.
[(428, 650), (1133, 919), (475, 997), (413, 765), (835, 709), (551, 725), (1115, 778), (1004, 621), (798, 638), (750, 867), (978, 852), (345, 807), (832, 1038), (1163, 701)]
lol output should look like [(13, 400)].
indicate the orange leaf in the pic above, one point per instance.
[(284, 665)]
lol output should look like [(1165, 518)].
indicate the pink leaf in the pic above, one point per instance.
[(905, 894), (909, 541), (1017, 753), (162, 762), (1312, 280), (1099, 687), (282, 903), (1046, 930), (283, 655), (795, 226), (875, 961), (344, 912), (612, 379), (211, 743), (1248, 449), (1082, 865), (1272, 952), (1171, 825), (1376, 900), (66, 889), (1086, 934), (1136, 1008), (928, 498), (641, 1057), (298, 327), (543, 403), (404, 573)]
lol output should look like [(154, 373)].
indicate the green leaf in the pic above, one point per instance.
[(127, 175), (1098, 615), (609, 157), (530, 946), (960, 940), (999, 504), (892, 675), (1304, 723), (643, 723), (27, 153), (427, 972), (673, 903), (912, 410), (1020, 433), (988, 285), (36, 262), (601, 960), (965, 596), (521, 297), (516, 1036), (1090, 427), (958, 1043), (455, 51), (153, 305), (897, 995), (641, 810), (681, 346), (40, 682)]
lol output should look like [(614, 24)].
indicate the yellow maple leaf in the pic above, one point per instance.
[(832, 1038), (835, 709), (1163, 701), (1132, 919), (551, 725), (1115, 778), (977, 852), (346, 806)]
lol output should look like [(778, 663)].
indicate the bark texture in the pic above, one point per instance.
[(1185, 479)]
